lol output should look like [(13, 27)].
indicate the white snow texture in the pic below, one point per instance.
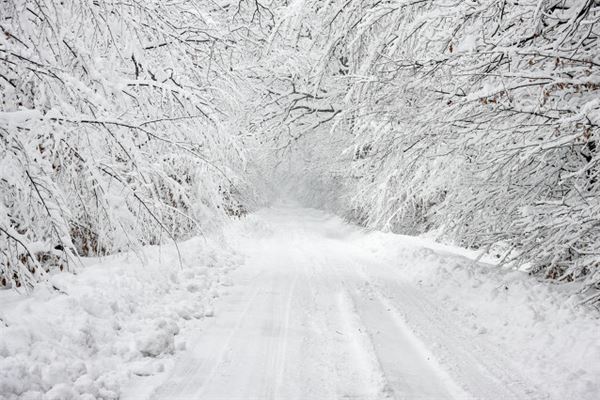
[(305, 307)]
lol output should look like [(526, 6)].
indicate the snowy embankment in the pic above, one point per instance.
[(541, 327), (82, 336)]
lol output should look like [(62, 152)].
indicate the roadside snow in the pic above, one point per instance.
[(542, 327), (83, 336)]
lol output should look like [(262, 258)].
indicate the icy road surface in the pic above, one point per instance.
[(313, 315)]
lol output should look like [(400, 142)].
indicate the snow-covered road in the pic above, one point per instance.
[(314, 315)]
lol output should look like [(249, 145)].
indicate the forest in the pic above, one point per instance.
[(131, 123)]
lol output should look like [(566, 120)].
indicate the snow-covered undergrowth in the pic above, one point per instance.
[(118, 129), (542, 328), (81, 336)]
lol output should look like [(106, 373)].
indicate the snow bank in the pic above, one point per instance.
[(83, 336), (543, 327)]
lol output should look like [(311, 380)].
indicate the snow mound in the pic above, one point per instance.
[(83, 336)]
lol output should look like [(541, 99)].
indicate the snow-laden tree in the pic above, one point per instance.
[(132, 122), (118, 127), (480, 117)]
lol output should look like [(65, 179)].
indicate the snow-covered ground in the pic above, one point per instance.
[(84, 336), (305, 307)]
